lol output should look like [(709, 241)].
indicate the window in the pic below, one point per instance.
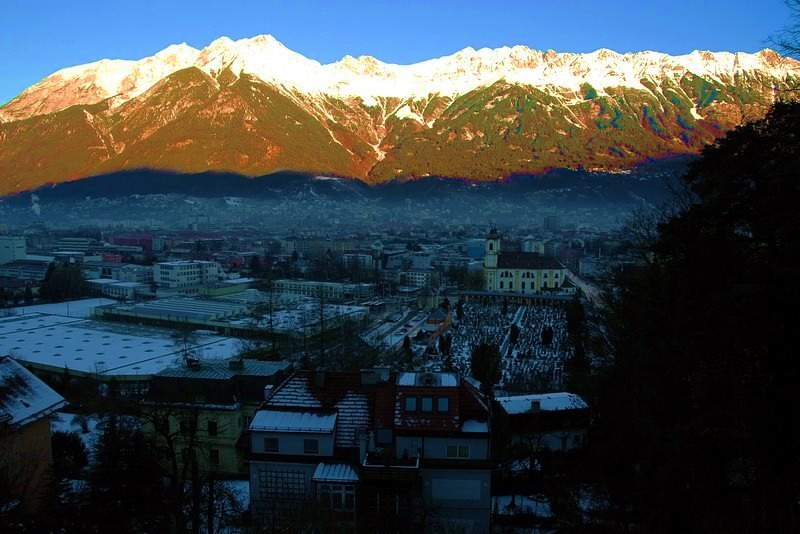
[(337, 497), (311, 446), (523, 285), (212, 428), (501, 284), (213, 456), (411, 404), (427, 404), (458, 451), (270, 444), (442, 404)]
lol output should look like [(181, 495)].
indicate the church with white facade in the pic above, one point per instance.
[(519, 272)]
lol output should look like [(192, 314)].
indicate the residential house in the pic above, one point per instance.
[(547, 421), (26, 404), (377, 451), (203, 408)]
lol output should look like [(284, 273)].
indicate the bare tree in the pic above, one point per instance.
[(787, 40)]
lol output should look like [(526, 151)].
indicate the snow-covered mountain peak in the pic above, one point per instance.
[(266, 58)]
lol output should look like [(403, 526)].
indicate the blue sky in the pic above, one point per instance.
[(39, 37)]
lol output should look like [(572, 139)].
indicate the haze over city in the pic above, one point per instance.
[(420, 267)]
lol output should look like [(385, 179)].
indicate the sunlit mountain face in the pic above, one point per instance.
[(253, 107)]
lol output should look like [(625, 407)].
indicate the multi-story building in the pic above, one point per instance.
[(519, 272), (359, 260), (185, 274), (25, 269), (205, 406), (420, 278), (12, 247), (330, 291), (379, 451)]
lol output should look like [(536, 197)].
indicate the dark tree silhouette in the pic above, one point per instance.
[(514, 334), (485, 365), (694, 404)]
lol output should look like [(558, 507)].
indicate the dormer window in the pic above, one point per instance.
[(427, 404)]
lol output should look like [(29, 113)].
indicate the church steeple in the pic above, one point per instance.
[(490, 260), (492, 249)]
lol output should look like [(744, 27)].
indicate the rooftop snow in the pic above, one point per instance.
[(277, 421), (334, 473), (473, 426), (24, 397), (71, 308), (106, 348), (548, 402), (353, 414), (439, 379)]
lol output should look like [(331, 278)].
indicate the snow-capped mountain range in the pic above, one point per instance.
[(500, 111)]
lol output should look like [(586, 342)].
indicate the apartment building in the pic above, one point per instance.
[(376, 451)]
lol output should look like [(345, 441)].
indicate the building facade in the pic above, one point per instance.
[(185, 274), (26, 404), (12, 247), (519, 272), (378, 451)]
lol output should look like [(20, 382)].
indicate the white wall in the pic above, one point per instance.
[(292, 443)]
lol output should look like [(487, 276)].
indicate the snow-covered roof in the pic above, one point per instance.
[(421, 379), (334, 473), (295, 392), (278, 421), (96, 347), (472, 426), (354, 414), (71, 308), (23, 397), (548, 402)]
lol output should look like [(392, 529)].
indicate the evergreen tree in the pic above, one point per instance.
[(694, 403), (485, 365)]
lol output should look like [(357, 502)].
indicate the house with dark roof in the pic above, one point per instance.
[(376, 451), (26, 404), (519, 272), (547, 421), (202, 409)]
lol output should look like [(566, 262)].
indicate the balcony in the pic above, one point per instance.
[(385, 467)]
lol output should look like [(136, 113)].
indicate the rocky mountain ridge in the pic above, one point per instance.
[(253, 106)]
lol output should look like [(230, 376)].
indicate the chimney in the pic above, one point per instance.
[(192, 361), (536, 406), (361, 434), (236, 363), (319, 377), (267, 391)]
